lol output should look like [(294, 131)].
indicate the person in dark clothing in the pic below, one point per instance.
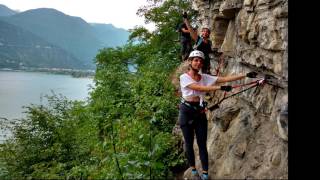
[(203, 43), (185, 41), (192, 117)]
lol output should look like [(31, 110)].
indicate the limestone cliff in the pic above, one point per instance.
[(248, 134)]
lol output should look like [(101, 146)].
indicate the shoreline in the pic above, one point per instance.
[(76, 73)]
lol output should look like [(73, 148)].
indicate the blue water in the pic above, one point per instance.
[(18, 89)]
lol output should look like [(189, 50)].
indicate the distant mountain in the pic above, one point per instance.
[(77, 37), (5, 11), (70, 33), (110, 35), (20, 48)]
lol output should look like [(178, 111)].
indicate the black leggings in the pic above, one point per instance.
[(186, 48), (194, 121)]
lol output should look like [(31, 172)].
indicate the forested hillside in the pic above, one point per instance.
[(124, 130), (73, 35), (109, 35), (20, 48), (5, 11), (127, 128)]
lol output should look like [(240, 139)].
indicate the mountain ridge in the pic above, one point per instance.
[(71, 33), (21, 49), (5, 11)]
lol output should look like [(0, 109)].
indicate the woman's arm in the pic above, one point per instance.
[(230, 78), (198, 87)]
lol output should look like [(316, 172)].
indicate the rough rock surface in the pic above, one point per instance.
[(248, 134)]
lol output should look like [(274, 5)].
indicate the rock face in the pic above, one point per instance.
[(248, 134)]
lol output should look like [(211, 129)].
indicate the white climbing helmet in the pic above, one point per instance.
[(196, 53)]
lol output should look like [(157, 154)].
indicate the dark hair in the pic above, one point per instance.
[(207, 29)]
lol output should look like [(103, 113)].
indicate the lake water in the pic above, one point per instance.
[(19, 89), (22, 88)]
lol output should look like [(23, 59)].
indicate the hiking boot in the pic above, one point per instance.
[(194, 173), (205, 176)]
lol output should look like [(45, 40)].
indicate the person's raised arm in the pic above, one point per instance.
[(193, 33), (185, 30)]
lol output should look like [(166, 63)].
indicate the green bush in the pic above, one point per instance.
[(124, 130)]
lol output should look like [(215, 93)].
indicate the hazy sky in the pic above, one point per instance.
[(120, 13)]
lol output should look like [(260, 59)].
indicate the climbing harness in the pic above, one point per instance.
[(200, 108), (255, 83)]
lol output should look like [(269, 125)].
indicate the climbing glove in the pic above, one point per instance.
[(252, 74), (185, 15), (226, 88)]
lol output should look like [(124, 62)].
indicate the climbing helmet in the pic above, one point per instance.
[(196, 53)]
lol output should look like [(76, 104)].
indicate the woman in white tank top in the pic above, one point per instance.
[(192, 118)]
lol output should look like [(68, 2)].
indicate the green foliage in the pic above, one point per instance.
[(50, 141), (141, 34), (124, 130)]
